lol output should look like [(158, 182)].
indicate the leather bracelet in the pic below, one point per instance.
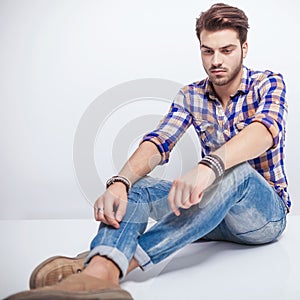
[(119, 178), (215, 163), (220, 161)]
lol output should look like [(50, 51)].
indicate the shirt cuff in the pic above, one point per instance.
[(159, 145), (271, 125)]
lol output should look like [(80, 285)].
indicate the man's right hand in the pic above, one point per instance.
[(110, 207)]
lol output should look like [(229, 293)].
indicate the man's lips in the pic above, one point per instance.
[(217, 71)]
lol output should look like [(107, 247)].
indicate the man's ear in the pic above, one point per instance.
[(245, 49)]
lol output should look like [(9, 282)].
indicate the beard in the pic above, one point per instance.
[(221, 80)]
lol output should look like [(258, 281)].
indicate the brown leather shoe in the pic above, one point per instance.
[(55, 269), (76, 287)]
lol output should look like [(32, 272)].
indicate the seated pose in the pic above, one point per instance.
[(236, 193)]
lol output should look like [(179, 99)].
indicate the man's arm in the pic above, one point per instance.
[(143, 160), (251, 142), (155, 149)]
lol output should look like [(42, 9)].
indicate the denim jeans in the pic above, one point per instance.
[(239, 207)]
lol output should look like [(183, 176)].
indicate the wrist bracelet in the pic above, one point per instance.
[(215, 163), (121, 179)]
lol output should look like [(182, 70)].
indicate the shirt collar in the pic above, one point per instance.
[(243, 88)]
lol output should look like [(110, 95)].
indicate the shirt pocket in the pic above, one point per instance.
[(210, 135), (240, 126)]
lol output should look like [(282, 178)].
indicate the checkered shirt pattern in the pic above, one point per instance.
[(260, 98)]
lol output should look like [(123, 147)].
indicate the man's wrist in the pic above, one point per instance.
[(121, 179), (215, 163)]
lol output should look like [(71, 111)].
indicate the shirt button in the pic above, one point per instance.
[(227, 132), (220, 112)]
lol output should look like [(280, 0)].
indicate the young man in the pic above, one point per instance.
[(237, 192)]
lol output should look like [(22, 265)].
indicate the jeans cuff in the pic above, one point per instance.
[(143, 258), (113, 254)]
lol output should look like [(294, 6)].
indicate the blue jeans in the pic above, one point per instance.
[(239, 207)]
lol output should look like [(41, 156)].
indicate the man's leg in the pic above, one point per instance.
[(112, 249), (147, 197), (241, 204), (240, 207)]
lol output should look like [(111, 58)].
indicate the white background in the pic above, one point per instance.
[(58, 56)]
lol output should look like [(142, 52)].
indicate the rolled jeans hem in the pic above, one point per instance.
[(143, 258), (113, 254)]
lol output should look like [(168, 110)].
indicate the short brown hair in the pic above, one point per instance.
[(222, 16)]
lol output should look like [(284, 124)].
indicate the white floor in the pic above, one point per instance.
[(210, 271)]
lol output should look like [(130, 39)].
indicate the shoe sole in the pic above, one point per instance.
[(55, 269), (63, 295)]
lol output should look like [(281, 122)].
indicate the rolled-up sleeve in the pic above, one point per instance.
[(171, 127), (272, 109)]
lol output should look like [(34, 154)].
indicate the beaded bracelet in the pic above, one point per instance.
[(215, 163), (121, 179)]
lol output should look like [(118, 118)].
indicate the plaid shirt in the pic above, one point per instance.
[(260, 98)]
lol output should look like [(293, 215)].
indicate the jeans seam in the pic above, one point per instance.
[(272, 221), (116, 242), (140, 252)]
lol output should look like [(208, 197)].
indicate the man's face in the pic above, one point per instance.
[(222, 55)]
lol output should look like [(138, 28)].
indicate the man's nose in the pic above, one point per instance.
[(217, 59)]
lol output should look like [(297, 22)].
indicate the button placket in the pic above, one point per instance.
[(223, 122), (221, 115)]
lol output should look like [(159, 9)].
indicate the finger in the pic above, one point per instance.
[(98, 209), (109, 215), (186, 197), (171, 198), (108, 220), (195, 197), (178, 196), (102, 217), (200, 196), (121, 210), (100, 213)]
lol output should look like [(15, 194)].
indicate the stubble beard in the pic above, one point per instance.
[(221, 81)]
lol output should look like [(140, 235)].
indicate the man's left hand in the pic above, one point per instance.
[(188, 189)]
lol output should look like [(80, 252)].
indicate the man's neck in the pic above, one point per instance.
[(226, 91)]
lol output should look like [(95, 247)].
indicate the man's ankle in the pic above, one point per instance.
[(103, 268)]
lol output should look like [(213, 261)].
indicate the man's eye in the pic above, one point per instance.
[(227, 51), (207, 51)]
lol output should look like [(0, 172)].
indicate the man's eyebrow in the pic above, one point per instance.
[(224, 47), (229, 46), (204, 46)]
